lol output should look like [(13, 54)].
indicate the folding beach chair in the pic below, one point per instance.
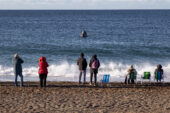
[(158, 77), (146, 76), (132, 76), (106, 79)]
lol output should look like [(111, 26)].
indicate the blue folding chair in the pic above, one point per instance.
[(106, 79), (159, 76)]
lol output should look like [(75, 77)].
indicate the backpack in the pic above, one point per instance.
[(95, 64)]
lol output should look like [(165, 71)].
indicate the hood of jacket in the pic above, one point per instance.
[(42, 59)]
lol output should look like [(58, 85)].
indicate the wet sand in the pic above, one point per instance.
[(70, 97)]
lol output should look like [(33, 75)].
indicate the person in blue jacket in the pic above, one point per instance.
[(17, 61)]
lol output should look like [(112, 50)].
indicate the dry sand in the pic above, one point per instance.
[(70, 97)]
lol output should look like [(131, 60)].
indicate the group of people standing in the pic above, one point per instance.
[(17, 61), (94, 65), (43, 71)]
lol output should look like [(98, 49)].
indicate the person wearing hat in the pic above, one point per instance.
[(130, 70), (17, 61), (82, 63)]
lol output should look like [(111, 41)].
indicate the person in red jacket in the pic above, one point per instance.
[(43, 71)]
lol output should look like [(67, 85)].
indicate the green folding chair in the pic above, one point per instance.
[(146, 76)]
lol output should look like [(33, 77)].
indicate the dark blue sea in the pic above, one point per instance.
[(118, 37)]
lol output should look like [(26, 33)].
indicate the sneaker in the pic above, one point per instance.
[(90, 84)]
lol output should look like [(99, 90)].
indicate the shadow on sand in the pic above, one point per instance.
[(76, 85)]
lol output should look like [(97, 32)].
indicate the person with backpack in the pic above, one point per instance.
[(94, 65), (130, 75), (17, 61), (82, 63), (43, 71)]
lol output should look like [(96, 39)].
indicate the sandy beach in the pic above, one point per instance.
[(70, 97)]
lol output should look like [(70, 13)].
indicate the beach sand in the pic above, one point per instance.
[(70, 97)]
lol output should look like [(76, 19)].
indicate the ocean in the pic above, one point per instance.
[(118, 37)]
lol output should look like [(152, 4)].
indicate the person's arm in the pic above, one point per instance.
[(78, 62), (85, 63), (22, 61), (90, 63), (99, 63), (47, 64), (136, 72), (128, 72)]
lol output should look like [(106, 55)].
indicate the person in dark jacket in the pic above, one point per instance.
[(94, 65), (82, 63), (159, 69), (43, 71), (17, 61)]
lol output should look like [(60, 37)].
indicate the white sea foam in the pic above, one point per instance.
[(70, 72)]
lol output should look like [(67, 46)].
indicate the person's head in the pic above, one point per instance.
[(159, 66), (42, 59), (131, 66), (81, 54), (95, 56), (16, 55)]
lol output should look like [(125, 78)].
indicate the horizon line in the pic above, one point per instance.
[(83, 9)]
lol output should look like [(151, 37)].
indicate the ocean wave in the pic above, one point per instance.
[(69, 72)]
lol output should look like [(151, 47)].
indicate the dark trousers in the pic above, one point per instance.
[(43, 78), (128, 80), (93, 72)]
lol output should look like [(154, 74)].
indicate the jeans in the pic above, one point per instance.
[(84, 73), (43, 78), (16, 77)]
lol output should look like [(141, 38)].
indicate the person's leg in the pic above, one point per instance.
[(126, 80), (16, 83), (132, 81), (129, 79), (91, 77), (80, 76), (84, 73), (95, 77), (45, 78), (41, 80), (21, 76)]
